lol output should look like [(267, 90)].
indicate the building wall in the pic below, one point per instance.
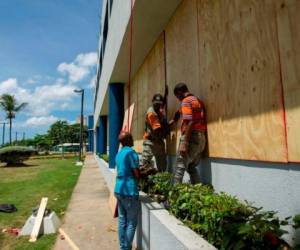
[(117, 22), (238, 57), (242, 59), (229, 55)]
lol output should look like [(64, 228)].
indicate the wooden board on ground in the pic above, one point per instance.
[(68, 239), (288, 20), (240, 79), (182, 58), (38, 220), (112, 201)]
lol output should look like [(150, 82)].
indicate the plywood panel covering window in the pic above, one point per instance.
[(240, 79), (149, 80), (182, 57), (288, 20)]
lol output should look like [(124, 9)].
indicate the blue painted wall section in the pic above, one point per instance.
[(97, 140), (103, 134), (90, 133), (116, 114)]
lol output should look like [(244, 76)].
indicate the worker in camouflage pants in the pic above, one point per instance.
[(156, 130), (193, 134)]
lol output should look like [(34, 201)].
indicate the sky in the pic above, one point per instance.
[(48, 48)]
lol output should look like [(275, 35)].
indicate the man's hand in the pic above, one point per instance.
[(136, 173), (171, 123), (183, 148), (176, 116)]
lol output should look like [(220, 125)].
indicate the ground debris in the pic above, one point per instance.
[(13, 231)]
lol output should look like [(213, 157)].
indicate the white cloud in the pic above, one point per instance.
[(8, 86), (34, 79), (42, 100), (40, 121), (93, 82), (75, 73), (31, 81), (45, 94), (88, 59), (80, 67)]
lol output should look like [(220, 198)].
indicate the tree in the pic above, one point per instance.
[(61, 131), (58, 132), (42, 142), (73, 135), (10, 106)]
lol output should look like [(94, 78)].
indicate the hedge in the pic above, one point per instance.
[(221, 219), (15, 154)]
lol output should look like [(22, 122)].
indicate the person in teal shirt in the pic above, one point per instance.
[(126, 190)]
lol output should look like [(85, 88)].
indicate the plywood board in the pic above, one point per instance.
[(182, 57), (149, 80), (68, 239), (112, 200), (38, 220), (288, 20), (127, 122), (240, 79)]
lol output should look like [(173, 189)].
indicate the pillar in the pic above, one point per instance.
[(102, 134), (97, 140), (90, 133), (116, 114)]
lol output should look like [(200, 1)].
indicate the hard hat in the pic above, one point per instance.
[(158, 98)]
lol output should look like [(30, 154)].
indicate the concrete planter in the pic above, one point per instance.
[(157, 229)]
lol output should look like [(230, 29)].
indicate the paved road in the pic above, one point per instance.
[(88, 221)]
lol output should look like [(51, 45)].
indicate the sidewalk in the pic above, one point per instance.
[(88, 221)]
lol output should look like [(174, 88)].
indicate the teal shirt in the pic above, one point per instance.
[(126, 184)]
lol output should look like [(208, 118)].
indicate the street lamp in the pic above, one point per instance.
[(81, 121)]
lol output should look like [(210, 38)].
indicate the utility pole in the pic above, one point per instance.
[(81, 122), (3, 132), (3, 135), (16, 137), (23, 136)]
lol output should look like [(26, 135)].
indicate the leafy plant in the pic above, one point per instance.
[(158, 185), (223, 220), (15, 154), (296, 221), (105, 157)]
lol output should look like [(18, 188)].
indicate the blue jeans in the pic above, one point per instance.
[(128, 209)]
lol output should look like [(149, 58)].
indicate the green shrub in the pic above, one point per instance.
[(223, 220), (105, 157), (15, 154)]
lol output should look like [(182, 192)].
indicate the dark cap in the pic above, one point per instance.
[(158, 98)]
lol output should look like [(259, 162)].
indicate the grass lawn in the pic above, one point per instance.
[(25, 186)]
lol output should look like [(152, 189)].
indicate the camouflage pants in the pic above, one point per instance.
[(190, 161), (157, 149)]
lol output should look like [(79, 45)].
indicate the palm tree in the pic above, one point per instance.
[(10, 106)]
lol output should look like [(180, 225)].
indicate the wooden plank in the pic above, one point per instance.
[(288, 20), (149, 80), (182, 57), (68, 239), (38, 220), (240, 79), (112, 201), (127, 122)]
